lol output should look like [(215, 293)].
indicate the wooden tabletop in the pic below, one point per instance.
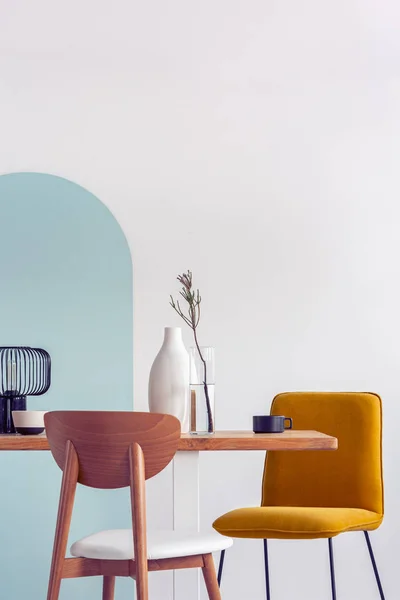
[(221, 440)]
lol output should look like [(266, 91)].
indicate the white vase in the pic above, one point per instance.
[(169, 378)]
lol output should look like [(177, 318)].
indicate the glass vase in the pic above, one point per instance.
[(202, 390)]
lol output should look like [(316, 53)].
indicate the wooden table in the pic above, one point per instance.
[(186, 509), (291, 439)]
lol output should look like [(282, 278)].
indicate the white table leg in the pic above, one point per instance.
[(186, 516)]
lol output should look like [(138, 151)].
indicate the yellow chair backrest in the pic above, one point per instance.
[(350, 477)]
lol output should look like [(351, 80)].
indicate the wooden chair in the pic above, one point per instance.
[(110, 450)]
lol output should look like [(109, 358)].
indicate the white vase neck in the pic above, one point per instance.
[(173, 334)]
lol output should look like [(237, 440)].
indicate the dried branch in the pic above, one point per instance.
[(192, 319)]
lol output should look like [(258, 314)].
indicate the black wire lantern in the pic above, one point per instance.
[(23, 372)]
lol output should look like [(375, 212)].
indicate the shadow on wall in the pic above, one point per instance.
[(66, 275)]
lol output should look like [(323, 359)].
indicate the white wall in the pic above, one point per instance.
[(256, 143)]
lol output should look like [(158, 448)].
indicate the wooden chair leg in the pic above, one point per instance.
[(210, 578), (138, 500), (65, 506), (108, 587)]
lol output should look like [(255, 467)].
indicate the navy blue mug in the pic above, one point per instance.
[(271, 424)]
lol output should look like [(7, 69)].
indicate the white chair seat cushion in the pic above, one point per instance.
[(117, 544)]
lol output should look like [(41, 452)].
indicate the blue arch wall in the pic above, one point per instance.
[(66, 286)]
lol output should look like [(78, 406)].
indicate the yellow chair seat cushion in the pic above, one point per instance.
[(292, 522)]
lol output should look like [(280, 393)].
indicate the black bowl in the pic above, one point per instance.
[(29, 430)]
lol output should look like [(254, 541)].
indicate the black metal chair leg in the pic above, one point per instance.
[(221, 566), (266, 570), (332, 566), (371, 554)]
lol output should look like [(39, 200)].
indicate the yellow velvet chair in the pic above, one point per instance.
[(308, 495)]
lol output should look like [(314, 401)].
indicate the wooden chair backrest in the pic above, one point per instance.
[(103, 439)]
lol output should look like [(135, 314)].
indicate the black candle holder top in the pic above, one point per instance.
[(24, 372)]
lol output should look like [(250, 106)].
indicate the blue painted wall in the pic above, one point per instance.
[(66, 286)]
